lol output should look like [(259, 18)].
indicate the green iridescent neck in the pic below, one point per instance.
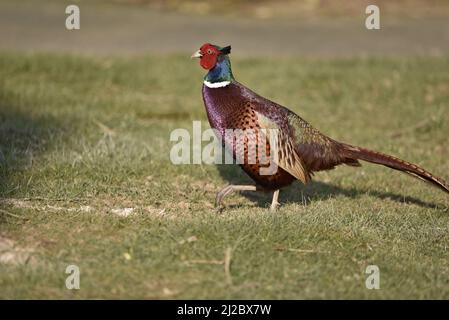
[(221, 72)]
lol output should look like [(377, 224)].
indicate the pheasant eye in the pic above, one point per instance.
[(209, 51)]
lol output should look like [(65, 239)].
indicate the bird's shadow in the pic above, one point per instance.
[(314, 191)]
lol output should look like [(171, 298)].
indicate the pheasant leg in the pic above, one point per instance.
[(275, 203), (230, 189)]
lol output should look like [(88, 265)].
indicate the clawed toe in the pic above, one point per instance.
[(228, 190)]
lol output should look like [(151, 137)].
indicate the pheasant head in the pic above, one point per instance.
[(215, 59)]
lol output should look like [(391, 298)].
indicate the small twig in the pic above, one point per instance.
[(418, 126), (227, 265), (108, 131), (11, 214), (306, 251), (205, 262), (300, 250)]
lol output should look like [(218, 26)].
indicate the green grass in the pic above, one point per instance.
[(80, 132)]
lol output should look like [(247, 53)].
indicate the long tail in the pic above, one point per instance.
[(357, 153)]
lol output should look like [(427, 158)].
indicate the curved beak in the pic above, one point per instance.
[(197, 54)]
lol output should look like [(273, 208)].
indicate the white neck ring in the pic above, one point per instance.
[(216, 84)]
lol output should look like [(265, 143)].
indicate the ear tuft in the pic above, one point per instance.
[(226, 50)]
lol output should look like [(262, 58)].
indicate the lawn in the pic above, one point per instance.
[(85, 179)]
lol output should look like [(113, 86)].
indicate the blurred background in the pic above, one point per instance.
[(320, 28)]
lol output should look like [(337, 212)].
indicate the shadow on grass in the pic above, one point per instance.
[(312, 192), (24, 137)]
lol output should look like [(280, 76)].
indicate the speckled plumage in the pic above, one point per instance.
[(301, 149), (237, 107)]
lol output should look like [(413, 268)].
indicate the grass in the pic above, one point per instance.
[(81, 138)]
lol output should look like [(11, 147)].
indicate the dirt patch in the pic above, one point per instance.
[(38, 206), (130, 210), (12, 254)]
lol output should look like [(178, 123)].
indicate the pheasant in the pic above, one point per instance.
[(300, 149)]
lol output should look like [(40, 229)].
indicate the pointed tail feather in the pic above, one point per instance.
[(358, 153)]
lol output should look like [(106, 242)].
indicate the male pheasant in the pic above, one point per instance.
[(301, 149)]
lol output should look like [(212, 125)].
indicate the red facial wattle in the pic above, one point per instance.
[(208, 61), (209, 56)]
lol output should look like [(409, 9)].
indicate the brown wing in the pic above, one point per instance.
[(286, 156)]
